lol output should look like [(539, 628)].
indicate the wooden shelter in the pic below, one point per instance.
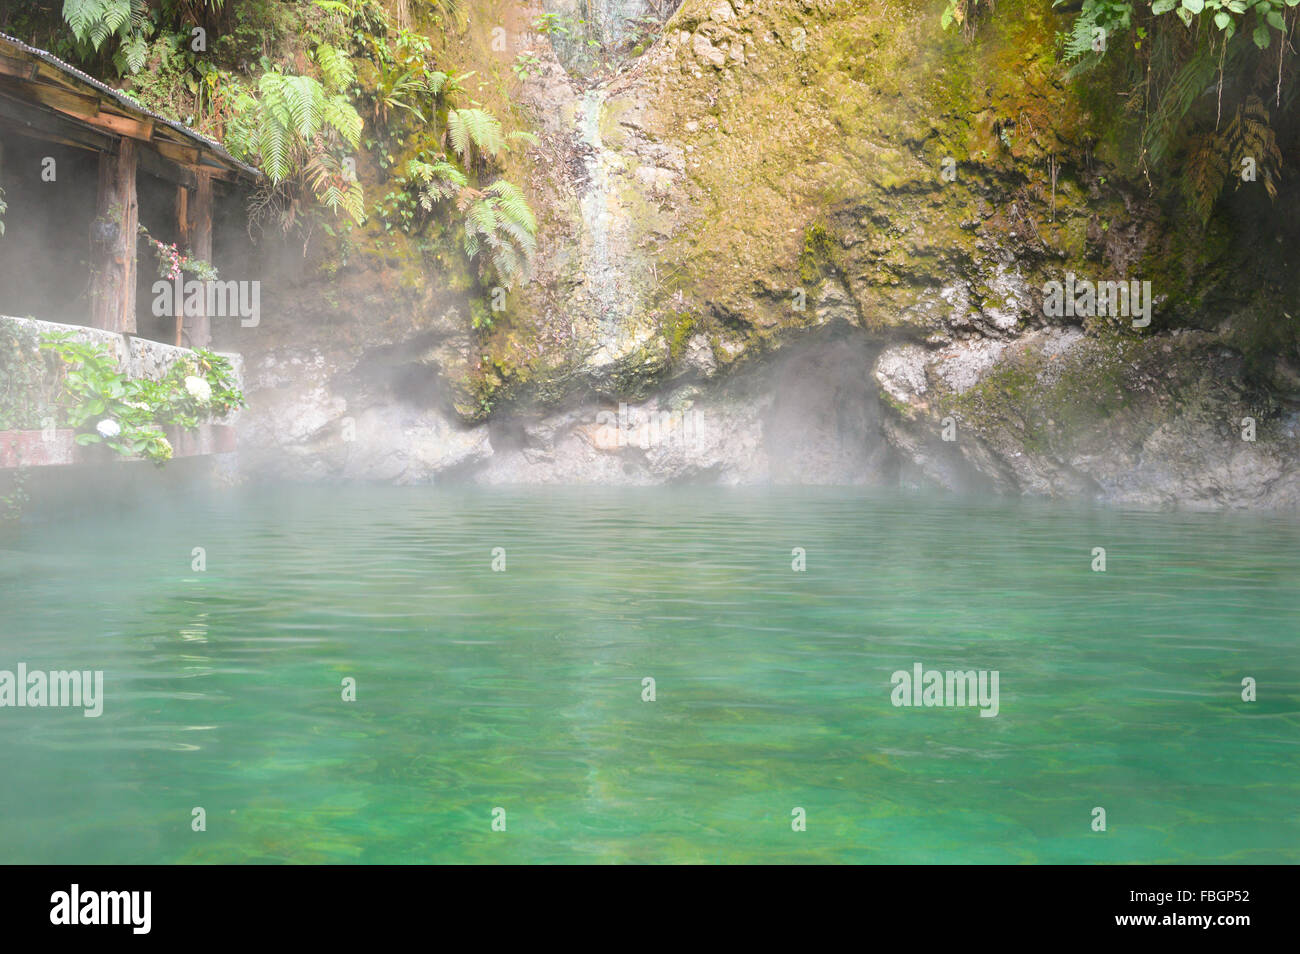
[(43, 98)]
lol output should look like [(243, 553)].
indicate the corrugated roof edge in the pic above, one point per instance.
[(129, 103)]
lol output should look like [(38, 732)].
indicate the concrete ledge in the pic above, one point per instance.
[(59, 448), (137, 358), (116, 343)]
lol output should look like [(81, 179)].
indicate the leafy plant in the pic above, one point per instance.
[(435, 181), (960, 13), (172, 263), (95, 21), (1178, 49), (496, 222), (296, 127), (500, 220), (99, 25), (130, 415), (474, 133), (555, 24), (1097, 21), (27, 394), (527, 65), (1214, 155)]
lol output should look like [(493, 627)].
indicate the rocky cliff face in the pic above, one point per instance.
[(802, 241)]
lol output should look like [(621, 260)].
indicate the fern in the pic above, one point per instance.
[(1204, 173), (294, 126), (474, 129), (336, 67), (437, 181), (500, 220), (334, 186), (1215, 156), (1097, 21), (94, 21), (130, 22), (131, 55), (1191, 81), (524, 137)]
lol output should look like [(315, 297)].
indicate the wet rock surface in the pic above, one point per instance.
[(751, 244)]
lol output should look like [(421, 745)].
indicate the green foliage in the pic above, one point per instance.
[(556, 24), (1213, 157), (124, 27), (474, 133), (1201, 72), (1229, 15), (435, 181), (27, 395), (445, 152), (497, 225), (404, 77), (297, 127), (95, 21), (500, 220), (130, 415), (527, 65), (335, 67), (960, 13), (1097, 21)]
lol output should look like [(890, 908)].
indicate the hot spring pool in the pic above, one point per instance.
[(522, 689)]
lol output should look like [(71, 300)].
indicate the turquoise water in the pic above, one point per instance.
[(522, 689)]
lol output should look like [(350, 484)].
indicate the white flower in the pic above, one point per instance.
[(199, 389), (108, 428)]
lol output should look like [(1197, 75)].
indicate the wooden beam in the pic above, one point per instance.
[(89, 109), (51, 73), (23, 69), (219, 173), (113, 240), (156, 165), (65, 101), (185, 155), (43, 123), (141, 129)]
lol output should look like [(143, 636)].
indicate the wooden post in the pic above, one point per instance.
[(113, 240), (183, 240), (200, 237)]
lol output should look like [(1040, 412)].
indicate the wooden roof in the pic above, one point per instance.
[(49, 99)]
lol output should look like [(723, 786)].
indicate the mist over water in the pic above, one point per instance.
[(522, 689), (628, 548)]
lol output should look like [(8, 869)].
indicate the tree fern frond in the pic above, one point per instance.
[(336, 67), (474, 127)]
